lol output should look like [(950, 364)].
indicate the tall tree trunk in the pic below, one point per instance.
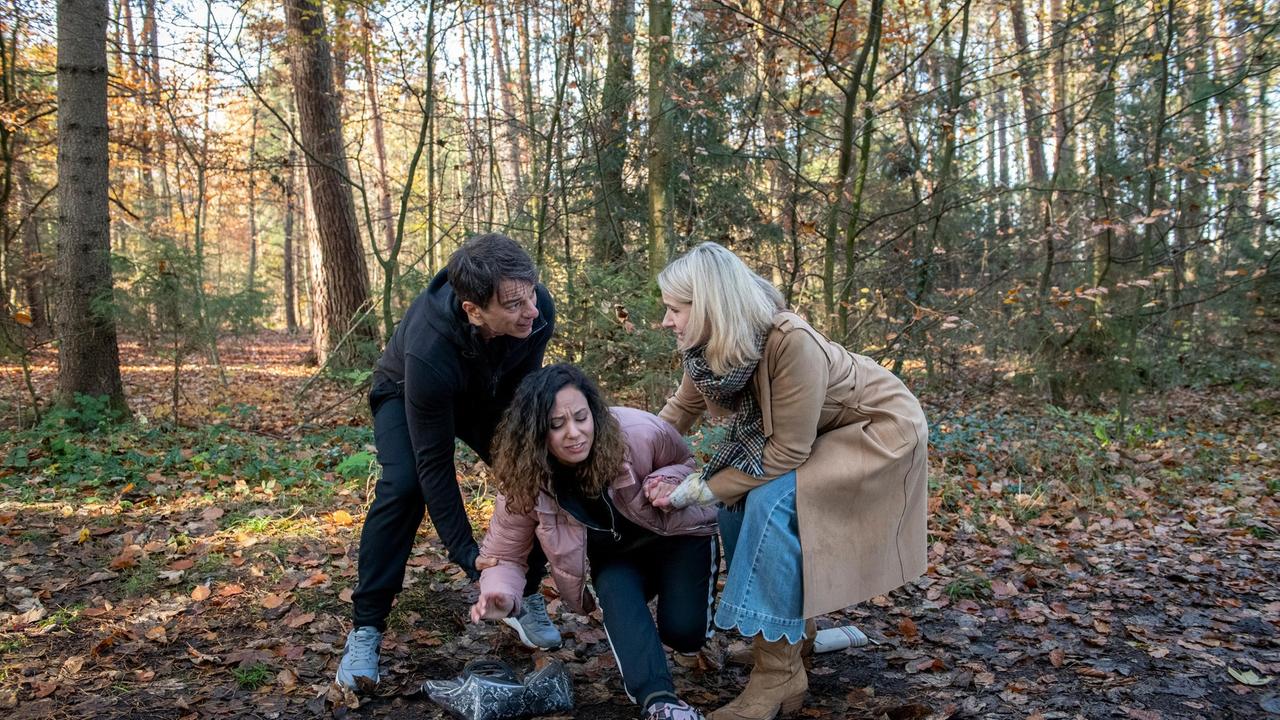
[(34, 265), (1156, 148), (1197, 86), (513, 182), (609, 241), (251, 274), (940, 201), (9, 140), (290, 213), (872, 42), (88, 355), (386, 220), (661, 215), (344, 335), (1030, 104), (1104, 131), (1261, 134), (158, 121), (468, 180), (391, 261)]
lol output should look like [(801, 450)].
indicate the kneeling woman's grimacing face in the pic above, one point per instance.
[(571, 427)]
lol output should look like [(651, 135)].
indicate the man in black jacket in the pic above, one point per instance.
[(449, 371)]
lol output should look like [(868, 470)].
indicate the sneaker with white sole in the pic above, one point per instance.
[(533, 625), (666, 710), (360, 658)]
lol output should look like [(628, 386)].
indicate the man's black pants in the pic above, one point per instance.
[(393, 520)]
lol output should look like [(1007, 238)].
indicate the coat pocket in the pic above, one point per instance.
[(886, 431)]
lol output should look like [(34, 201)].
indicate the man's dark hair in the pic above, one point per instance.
[(483, 262)]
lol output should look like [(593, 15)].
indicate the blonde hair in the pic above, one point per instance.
[(729, 304)]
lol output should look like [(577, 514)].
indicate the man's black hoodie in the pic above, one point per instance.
[(455, 385)]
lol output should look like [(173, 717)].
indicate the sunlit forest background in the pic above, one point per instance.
[(1078, 195)]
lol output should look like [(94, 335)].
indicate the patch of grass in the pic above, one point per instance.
[(1027, 551), (62, 617), (318, 601), (1262, 532), (969, 585), (252, 676), (210, 564), (141, 579), (249, 525), (32, 536), (950, 492), (11, 643)]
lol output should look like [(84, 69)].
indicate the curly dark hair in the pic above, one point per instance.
[(521, 460)]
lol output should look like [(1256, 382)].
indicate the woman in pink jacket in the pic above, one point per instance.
[(572, 474)]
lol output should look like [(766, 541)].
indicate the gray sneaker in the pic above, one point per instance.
[(667, 710), (360, 659), (533, 625)]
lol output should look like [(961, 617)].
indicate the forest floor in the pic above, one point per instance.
[(205, 571)]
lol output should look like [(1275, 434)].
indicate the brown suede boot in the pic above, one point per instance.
[(810, 634), (777, 686)]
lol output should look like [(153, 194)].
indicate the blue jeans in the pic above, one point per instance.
[(764, 592)]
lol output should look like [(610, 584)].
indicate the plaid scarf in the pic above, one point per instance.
[(743, 448)]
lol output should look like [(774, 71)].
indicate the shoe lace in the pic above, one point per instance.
[(534, 611), (362, 647)]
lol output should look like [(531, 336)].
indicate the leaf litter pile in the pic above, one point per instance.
[(205, 570)]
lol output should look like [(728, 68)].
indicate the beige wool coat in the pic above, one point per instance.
[(858, 441)]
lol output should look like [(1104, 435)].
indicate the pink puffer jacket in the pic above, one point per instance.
[(654, 449)]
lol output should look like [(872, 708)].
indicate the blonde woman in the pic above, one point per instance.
[(822, 473)]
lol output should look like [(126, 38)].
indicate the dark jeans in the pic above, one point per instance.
[(393, 520), (679, 570)]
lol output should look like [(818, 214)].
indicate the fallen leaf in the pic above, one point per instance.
[(157, 634), (43, 688), (317, 578), (297, 620), (342, 517), (230, 589), (272, 601), (72, 665), (199, 658), (907, 628), (1056, 657), (127, 558), (345, 595), (1249, 677), (200, 593)]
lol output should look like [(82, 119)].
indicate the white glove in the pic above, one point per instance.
[(692, 490)]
